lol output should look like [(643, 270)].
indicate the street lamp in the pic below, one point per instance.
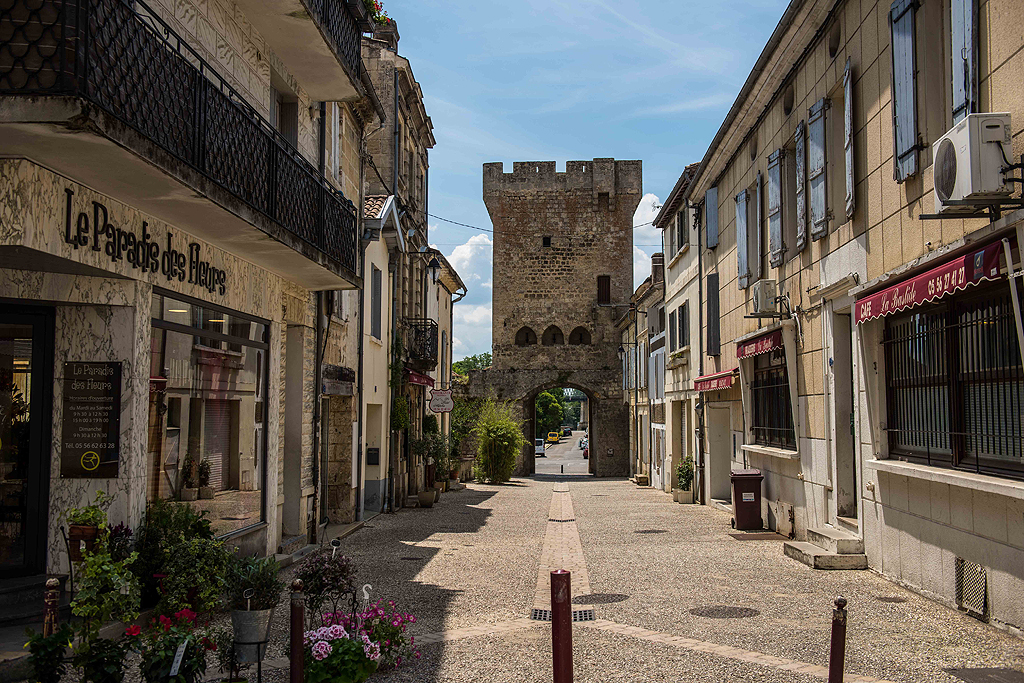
[(435, 268)]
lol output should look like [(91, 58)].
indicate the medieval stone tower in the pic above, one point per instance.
[(562, 275)]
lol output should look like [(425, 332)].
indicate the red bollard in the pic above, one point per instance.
[(837, 653), (561, 625), (297, 631)]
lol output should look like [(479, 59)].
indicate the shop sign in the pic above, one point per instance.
[(139, 251), (441, 401), (90, 442), (756, 347), (714, 382)]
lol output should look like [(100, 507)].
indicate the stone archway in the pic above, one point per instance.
[(528, 461)]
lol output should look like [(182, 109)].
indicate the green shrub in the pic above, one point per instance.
[(167, 526), (684, 473), (501, 441)]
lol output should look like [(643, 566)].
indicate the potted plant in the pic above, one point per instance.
[(101, 660), (684, 476), (426, 498), (188, 490), (205, 470), (332, 655), (328, 580), (46, 654), (107, 590), (194, 569), (85, 524), (228, 662), (158, 646), (253, 591)]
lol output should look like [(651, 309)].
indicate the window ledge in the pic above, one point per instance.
[(970, 480), (679, 254), (781, 453)]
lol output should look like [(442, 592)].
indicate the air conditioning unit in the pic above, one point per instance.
[(763, 292), (968, 161)]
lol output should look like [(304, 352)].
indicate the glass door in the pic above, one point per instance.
[(26, 381)]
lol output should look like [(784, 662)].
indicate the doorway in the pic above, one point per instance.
[(842, 377), (719, 460), (26, 386)]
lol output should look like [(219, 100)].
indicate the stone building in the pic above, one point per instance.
[(562, 276), (880, 390)]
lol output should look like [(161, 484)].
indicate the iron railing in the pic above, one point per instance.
[(122, 57), (955, 385), (421, 342), (340, 30), (772, 411)]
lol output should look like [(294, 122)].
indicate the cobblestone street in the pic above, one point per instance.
[(473, 567)]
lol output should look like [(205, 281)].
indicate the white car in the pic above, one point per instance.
[(538, 447)]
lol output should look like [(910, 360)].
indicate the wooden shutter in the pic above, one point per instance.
[(684, 324), (743, 269), (776, 247), (848, 137), (817, 185), (604, 289), (672, 331), (755, 240), (375, 303), (800, 160), (964, 55), (711, 213), (714, 322), (217, 441), (682, 236), (904, 97)]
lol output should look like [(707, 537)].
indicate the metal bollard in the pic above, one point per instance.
[(51, 600), (837, 653), (297, 630), (561, 625)]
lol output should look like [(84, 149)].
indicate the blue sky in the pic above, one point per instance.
[(538, 80)]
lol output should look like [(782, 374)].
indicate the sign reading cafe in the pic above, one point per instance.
[(94, 230)]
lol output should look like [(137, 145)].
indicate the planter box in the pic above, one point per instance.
[(426, 498), (190, 494), (683, 496), (79, 534), (206, 493)]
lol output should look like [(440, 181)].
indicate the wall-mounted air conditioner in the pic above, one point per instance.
[(763, 293), (968, 163)]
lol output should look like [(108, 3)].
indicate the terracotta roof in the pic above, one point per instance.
[(372, 205)]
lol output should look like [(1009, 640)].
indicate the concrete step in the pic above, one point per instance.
[(836, 541), (817, 558)]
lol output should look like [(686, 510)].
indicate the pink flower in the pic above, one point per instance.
[(322, 650), (133, 630), (336, 632), (186, 614)]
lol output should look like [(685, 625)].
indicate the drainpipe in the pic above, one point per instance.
[(699, 465), (392, 390)]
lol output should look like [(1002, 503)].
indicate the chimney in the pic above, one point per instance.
[(657, 269), (388, 32)]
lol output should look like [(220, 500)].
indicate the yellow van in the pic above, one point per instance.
[(553, 437)]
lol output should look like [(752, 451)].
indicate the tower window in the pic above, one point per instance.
[(604, 289), (547, 241)]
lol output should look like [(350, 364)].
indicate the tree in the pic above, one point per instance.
[(477, 362), (549, 413)]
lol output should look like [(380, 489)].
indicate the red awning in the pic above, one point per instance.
[(757, 346), (938, 282), (420, 379), (719, 380)]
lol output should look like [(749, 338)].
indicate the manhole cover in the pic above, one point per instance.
[(652, 531), (600, 598), (724, 612), (890, 598), (987, 675)]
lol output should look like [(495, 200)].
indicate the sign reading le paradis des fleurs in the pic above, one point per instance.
[(90, 441)]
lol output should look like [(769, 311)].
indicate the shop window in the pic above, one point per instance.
[(207, 405), (955, 386), (771, 410)]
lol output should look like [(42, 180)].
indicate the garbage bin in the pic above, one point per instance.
[(746, 499)]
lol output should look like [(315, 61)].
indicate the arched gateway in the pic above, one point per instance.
[(563, 260)]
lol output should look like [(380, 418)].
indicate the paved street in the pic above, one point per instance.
[(565, 457), (677, 596)]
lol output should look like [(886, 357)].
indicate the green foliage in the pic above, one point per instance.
[(188, 469), (205, 471), (477, 362), (430, 424), (325, 575), (433, 446), (501, 441), (47, 654), (102, 660), (549, 413), (195, 575), (684, 473), (108, 590), (159, 643), (167, 525), (257, 574), (91, 515), (227, 657), (347, 663), (462, 421), (400, 414)]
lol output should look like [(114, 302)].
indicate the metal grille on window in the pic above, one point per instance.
[(955, 386), (971, 587), (772, 413)]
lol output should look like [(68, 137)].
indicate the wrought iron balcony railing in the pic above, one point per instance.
[(123, 58), (421, 342), (340, 29)]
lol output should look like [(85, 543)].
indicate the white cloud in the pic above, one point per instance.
[(473, 315), (712, 101), (646, 238), (641, 266), (470, 258)]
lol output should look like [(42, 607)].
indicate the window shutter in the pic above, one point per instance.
[(672, 331), (816, 165), (714, 322), (800, 153), (684, 324), (848, 137), (754, 260), (743, 269), (904, 97), (375, 303), (964, 59), (335, 110), (604, 289), (681, 233), (775, 245), (711, 213)]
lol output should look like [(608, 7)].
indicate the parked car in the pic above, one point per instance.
[(538, 447), (566, 431), (554, 437)]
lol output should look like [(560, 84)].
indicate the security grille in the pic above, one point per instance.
[(772, 418), (971, 587), (561, 520)]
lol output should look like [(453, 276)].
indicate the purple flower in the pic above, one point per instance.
[(322, 650)]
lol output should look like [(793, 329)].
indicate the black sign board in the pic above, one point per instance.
[(90, 443), (372, 456)]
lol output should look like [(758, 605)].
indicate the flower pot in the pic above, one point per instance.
[(77, 535), (675, 495), (251, 628), (452, 483), (206, 493), (189, 494), (426, 498), (685, 496), (454, 474)]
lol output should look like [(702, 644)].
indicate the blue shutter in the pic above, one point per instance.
[(742, 268), (754, 261), (672, 331), (964, 55), (800, 153), (776, 248), (711, 213), (817, 184), (684, 324), (848, 138), (714, 317), (904, 97)]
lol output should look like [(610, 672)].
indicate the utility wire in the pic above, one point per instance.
[(473, 227)]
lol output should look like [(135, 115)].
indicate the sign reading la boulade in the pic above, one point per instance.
[(140, 251)]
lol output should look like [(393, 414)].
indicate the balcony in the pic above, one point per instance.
[(320, 41), (104, 92), (421, 343)]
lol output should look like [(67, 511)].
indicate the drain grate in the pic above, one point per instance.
[(724, 612), (577, 615), (890, 598), (651, 531), (561, 520), (971, 587)]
